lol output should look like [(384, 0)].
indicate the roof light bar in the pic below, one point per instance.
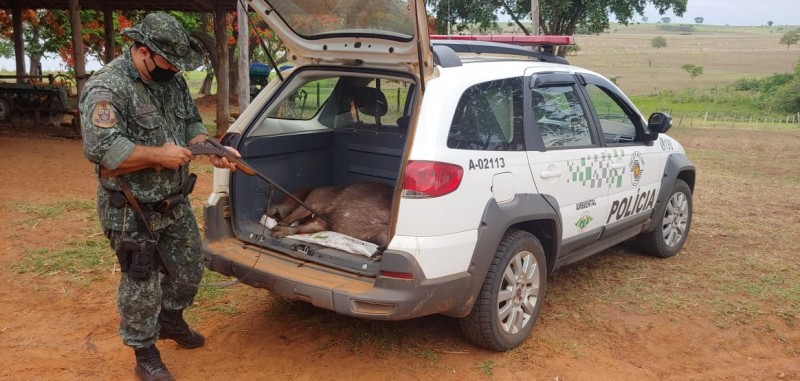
[(515, 40)]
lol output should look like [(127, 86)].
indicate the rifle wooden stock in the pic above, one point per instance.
[(210, 150)]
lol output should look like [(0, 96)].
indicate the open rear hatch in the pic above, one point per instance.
[(391, 34), (359, 36)]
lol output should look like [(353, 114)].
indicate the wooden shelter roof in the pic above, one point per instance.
[(146, 5)]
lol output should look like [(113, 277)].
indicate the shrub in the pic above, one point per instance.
[(658, 42), (786, 98)]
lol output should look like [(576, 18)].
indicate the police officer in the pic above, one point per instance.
[(138, 118)]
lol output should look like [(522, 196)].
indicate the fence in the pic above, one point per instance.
[(712, 119)]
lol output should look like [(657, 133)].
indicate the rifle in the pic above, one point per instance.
[(213, 148)]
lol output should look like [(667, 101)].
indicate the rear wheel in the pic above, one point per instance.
[(512, 294), (674, 220)]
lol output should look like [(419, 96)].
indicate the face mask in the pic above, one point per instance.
[(158, 74)]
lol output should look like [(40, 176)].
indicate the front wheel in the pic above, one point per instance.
[(512, 294), (674, 220)]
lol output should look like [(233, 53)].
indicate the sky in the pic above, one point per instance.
[(734, 12), (714, 12)]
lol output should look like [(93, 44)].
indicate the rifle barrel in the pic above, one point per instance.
[(249, 170)]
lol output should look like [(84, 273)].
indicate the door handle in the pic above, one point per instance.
[(617, 165), (549, 174)]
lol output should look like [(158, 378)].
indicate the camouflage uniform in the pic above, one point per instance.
[(121, 110)]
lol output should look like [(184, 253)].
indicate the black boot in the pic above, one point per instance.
[(149, 365), (174, 327)]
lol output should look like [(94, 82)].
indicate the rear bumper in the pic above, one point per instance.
[(378, 298)]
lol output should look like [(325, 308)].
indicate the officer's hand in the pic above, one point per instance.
[(224, 163), (172, 156)]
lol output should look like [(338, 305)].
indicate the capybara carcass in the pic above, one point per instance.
[(287, 205), (359, 210)]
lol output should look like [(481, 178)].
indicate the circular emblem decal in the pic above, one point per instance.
[(636, 168)]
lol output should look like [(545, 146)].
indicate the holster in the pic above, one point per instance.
[(137, 257)]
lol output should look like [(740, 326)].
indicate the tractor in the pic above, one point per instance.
[(38, 102)]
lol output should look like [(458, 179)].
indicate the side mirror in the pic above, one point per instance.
[(659, 123)]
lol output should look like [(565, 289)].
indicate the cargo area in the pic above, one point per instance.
[(333, 131)]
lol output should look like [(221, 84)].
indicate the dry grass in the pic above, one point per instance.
[(726, 54)]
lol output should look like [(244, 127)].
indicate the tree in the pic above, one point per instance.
[(556, 17), (699, 20), (36, 36), (693, 70), (666, 20), (790, 38), (659, 42), (48, 32), (462, 13), (770, 23), (645, 19)]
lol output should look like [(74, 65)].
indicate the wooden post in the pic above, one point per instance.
[(535, 18), (19, 47), (244, 57), (77, 43), (108, 33), (223, 91)]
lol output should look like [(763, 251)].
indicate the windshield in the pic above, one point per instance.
[(312, 19)]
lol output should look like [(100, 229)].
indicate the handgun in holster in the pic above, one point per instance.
[(137, 257)]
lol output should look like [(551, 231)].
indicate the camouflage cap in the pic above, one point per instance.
[(166, 37)]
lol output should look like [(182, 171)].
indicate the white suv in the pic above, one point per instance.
[(506, 165)]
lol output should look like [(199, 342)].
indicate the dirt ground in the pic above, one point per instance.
[(615, 316)]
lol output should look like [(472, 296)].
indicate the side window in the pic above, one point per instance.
[(616, 124), (394, 96), (366, 103), (311, 103), (489, 117), (306, 101), (560, 117)]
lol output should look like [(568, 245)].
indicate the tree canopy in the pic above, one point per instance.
[(693, 70), (47, 32), (556, 17), (790, 38)]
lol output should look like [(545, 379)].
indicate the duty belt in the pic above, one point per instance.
[(118, 199)]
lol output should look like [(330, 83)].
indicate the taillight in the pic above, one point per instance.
[(395, 274), (424, 179)]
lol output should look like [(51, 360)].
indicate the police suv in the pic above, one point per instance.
[(506, 162)]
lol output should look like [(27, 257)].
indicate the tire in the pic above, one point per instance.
[(512, 294), (6, 108), (676, 219)]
